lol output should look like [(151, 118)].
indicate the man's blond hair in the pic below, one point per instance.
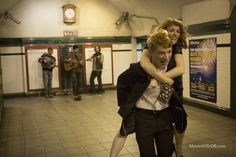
[(159, 37)]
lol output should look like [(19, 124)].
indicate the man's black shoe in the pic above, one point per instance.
[(77, 98)]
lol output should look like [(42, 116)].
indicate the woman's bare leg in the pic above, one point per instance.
[(117, 144), (178, 142)]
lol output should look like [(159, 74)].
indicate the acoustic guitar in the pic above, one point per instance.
[(71, 64)]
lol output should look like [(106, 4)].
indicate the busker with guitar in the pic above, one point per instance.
[(73, 64), (97, 58), (48, 62)]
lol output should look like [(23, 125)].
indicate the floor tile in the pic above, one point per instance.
[(62, 127)]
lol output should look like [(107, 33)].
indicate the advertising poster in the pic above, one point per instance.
[(202, 63)]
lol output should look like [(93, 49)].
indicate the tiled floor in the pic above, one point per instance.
[(62, 127)]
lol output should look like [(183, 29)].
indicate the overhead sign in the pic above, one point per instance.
[(70, 33)]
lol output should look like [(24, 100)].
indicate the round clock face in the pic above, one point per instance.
[(70, 13)]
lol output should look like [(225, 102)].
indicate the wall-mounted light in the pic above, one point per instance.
[(123, 17), (8, 15)]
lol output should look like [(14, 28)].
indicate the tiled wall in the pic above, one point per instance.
[(14, 64), (13, 69)]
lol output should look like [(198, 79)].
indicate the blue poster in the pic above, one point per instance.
[(202, 64)]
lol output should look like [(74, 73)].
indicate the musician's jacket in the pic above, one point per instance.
[(97, 61), (74, 57), (130, 86), (47, 61)]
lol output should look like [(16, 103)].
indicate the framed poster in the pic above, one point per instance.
[(202, 64)]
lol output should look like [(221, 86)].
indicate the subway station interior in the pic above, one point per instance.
[(83, 120)]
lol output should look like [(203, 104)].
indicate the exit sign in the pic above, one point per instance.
[(69, 33)]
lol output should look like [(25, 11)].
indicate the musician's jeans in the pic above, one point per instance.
[(47, 81), (75, 76), (97, 74)]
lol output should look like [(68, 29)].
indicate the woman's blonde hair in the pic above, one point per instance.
[(159, 37), (182, 43)]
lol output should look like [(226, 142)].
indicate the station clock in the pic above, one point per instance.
[(69, 13)]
